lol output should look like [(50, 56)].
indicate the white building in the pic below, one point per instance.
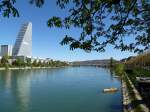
[(23, 44), (6, 50)]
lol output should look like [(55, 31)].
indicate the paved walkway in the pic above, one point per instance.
[(127, 97)]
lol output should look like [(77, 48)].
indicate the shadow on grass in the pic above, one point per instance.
[(134, 105)]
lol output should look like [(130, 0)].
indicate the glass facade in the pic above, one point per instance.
[(23, 44), (6, 50)]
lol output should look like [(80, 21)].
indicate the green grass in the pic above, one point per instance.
[(132, 96), (132, 74), (137, 72)]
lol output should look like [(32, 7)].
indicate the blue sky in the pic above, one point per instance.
[(46, 40)]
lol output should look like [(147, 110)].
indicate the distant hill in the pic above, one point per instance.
[(105, 62)]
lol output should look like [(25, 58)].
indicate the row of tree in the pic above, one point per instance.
[(9, 62), (142, 60), (132, 63)]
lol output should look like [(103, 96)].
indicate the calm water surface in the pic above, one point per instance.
[(72, 89)]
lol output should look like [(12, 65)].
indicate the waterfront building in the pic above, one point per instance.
[(23, 44), (6, 50), (47, 60), (22, 48), (33, 59), (37, 59)]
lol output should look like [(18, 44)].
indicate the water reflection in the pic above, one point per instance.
[(70, 89), (18, 87), (8, 79), (23, 90)]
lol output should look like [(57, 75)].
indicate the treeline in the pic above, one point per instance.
[(133, 63), (9, 62), (141, 61)]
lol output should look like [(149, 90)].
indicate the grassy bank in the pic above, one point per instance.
[(137, 72), (134, 97), (131, 97)]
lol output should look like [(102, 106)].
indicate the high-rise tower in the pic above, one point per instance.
[(23, 44), (6, 50)]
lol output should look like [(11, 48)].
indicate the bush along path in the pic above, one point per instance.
[(132, 100)]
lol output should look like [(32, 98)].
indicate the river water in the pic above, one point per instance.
[(70, 89)]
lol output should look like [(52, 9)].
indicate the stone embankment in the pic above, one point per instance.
[(130, 96)]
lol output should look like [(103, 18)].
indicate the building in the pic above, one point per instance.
[(23, 44), (6, 50)]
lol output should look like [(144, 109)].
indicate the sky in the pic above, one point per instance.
[(46, 41)]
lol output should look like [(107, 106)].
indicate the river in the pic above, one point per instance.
[(69, 89)]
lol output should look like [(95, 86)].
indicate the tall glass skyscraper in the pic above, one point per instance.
[(23, 44)]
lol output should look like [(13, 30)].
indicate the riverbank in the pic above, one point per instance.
[(24, 68), (132, 100)]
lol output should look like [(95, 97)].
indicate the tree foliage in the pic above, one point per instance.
[(4, 60), (35, 63), (28, 61), (106, 22), (141, 61), (119, 69), (102, 22), (112, 62), (7, 8), (18, 62)]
